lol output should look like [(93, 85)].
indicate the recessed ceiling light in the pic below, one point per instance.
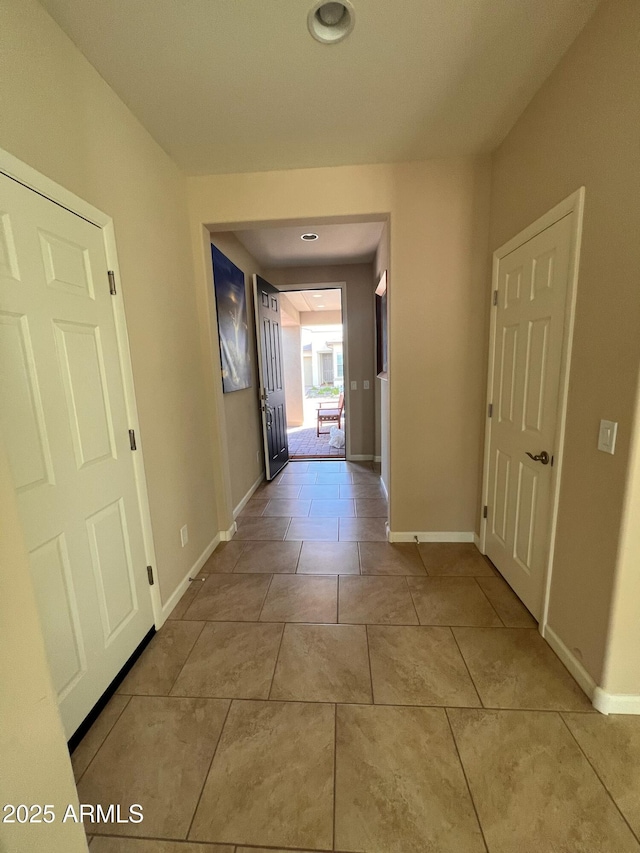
[(309, 237), (316, 296), (320, 306), (331, 22)]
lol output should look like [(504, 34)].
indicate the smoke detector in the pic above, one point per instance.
[(331, 22)]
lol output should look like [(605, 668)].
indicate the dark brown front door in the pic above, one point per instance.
[(271, 374)]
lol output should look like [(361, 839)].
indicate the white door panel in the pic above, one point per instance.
[(530, 321), (64, 421)]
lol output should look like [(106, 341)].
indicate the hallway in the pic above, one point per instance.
[(325, 690)]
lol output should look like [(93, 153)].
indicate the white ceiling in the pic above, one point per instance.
[(351, 243), (314, 300), (240, 85)]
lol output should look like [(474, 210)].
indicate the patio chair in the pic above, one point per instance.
[(330, 415)]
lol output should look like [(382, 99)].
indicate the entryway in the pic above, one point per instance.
[(314, 366)]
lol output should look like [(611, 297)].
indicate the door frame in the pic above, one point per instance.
[(342, 287), (573, 206), (14, 168)]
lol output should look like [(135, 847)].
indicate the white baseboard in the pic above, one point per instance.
[(227, 535), (571, 662), (615, 703), (477, 542), (184, 583), (377, 458), (606, 703), (429, 536), (245, 500), (360, 457)]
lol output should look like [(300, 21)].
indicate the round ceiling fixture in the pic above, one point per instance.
[(308, 238), (331, 22)]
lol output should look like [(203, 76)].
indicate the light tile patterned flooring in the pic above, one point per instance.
[(324, 690)]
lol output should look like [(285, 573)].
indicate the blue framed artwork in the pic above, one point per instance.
[(233, 331)]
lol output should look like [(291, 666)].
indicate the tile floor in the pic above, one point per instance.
[(324, 690)]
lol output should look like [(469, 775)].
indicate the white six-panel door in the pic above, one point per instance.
[(532, 284), (64, 421)]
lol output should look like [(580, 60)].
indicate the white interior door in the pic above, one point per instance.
[(64, 421), (532, 286)]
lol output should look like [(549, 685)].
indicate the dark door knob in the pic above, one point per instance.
[(540, 457)]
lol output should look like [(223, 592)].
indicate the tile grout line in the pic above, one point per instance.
[(489, 602), (264, 600), (373, 698), (335, 771), (413, 604), (464, 660), (599, 778), (426, 568), (126, 705), (464, 773), (275, 665), (394, 704), (175, 680), (206, 776), (213, 844)]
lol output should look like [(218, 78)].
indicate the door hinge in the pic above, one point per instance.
[(495, 297), (490, 410), (112, 282), (150, 575), (552, 458), (485, 511), (132, 439)]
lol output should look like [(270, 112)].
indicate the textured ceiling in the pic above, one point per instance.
[(240, 85)]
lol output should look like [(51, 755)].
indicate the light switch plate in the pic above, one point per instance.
[(354, 385), (607, 436), (365, 385)]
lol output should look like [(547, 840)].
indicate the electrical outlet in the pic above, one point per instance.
[(184, 535), (354, 385), (365, 385)]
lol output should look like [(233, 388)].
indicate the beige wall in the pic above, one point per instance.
[(35, 761), (60, 117), (358, 307), (382, 415), (582, 129), (622, 662), (438, 212), (241, 410)]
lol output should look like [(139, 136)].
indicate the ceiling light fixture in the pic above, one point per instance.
[(331, 22), (308, 238)]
